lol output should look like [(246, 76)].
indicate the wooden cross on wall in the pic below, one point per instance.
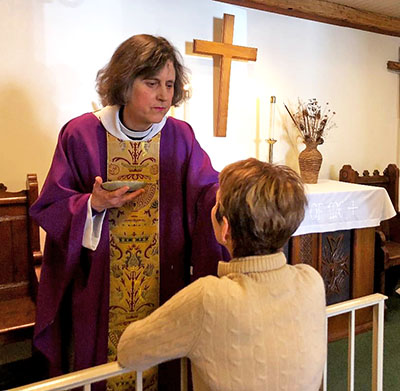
[(393, 66), (228, 52)]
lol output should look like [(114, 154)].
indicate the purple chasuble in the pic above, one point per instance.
[(74, 284)]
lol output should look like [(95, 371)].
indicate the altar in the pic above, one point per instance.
[(337, 237)]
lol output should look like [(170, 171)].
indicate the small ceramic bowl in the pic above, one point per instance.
[(114, 185)]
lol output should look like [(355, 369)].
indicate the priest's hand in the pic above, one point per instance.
[(104, 199)]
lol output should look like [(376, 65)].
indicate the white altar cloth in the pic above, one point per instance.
[(336, 206)]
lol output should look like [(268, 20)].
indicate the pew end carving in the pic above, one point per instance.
[(387, 245)]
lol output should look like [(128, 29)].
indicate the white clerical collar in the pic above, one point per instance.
[(134, 134), (109, 117)]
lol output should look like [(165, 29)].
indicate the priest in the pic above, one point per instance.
[(112, 257)]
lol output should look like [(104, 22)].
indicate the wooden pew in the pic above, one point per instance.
[(19, 255)]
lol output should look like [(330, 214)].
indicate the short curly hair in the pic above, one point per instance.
[(264, 204), (139, 56)]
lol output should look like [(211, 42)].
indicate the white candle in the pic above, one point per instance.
[(272, 118)]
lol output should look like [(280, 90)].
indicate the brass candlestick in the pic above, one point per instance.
[(271, 143)]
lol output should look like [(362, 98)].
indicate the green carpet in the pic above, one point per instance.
[(337, 356)]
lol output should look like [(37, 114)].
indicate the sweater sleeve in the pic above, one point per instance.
[(168, 333)]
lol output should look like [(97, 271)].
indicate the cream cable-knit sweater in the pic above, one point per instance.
[(260, 326)]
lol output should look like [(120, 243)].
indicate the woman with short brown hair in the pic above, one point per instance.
[(259, 325)]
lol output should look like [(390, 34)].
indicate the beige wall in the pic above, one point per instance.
[(52, 49)]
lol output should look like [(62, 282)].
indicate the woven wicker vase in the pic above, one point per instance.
[(310, 160)]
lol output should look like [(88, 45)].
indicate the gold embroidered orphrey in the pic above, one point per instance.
[(134, 255)]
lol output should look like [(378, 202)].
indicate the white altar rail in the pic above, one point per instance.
[(88, 376), (377, 301)]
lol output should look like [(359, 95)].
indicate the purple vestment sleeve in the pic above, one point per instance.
[(61, 211), (188, 185), (201, 189)]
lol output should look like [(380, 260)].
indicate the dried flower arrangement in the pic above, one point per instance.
[(311, 121)]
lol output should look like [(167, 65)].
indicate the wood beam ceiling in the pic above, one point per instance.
[(326, 12)]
